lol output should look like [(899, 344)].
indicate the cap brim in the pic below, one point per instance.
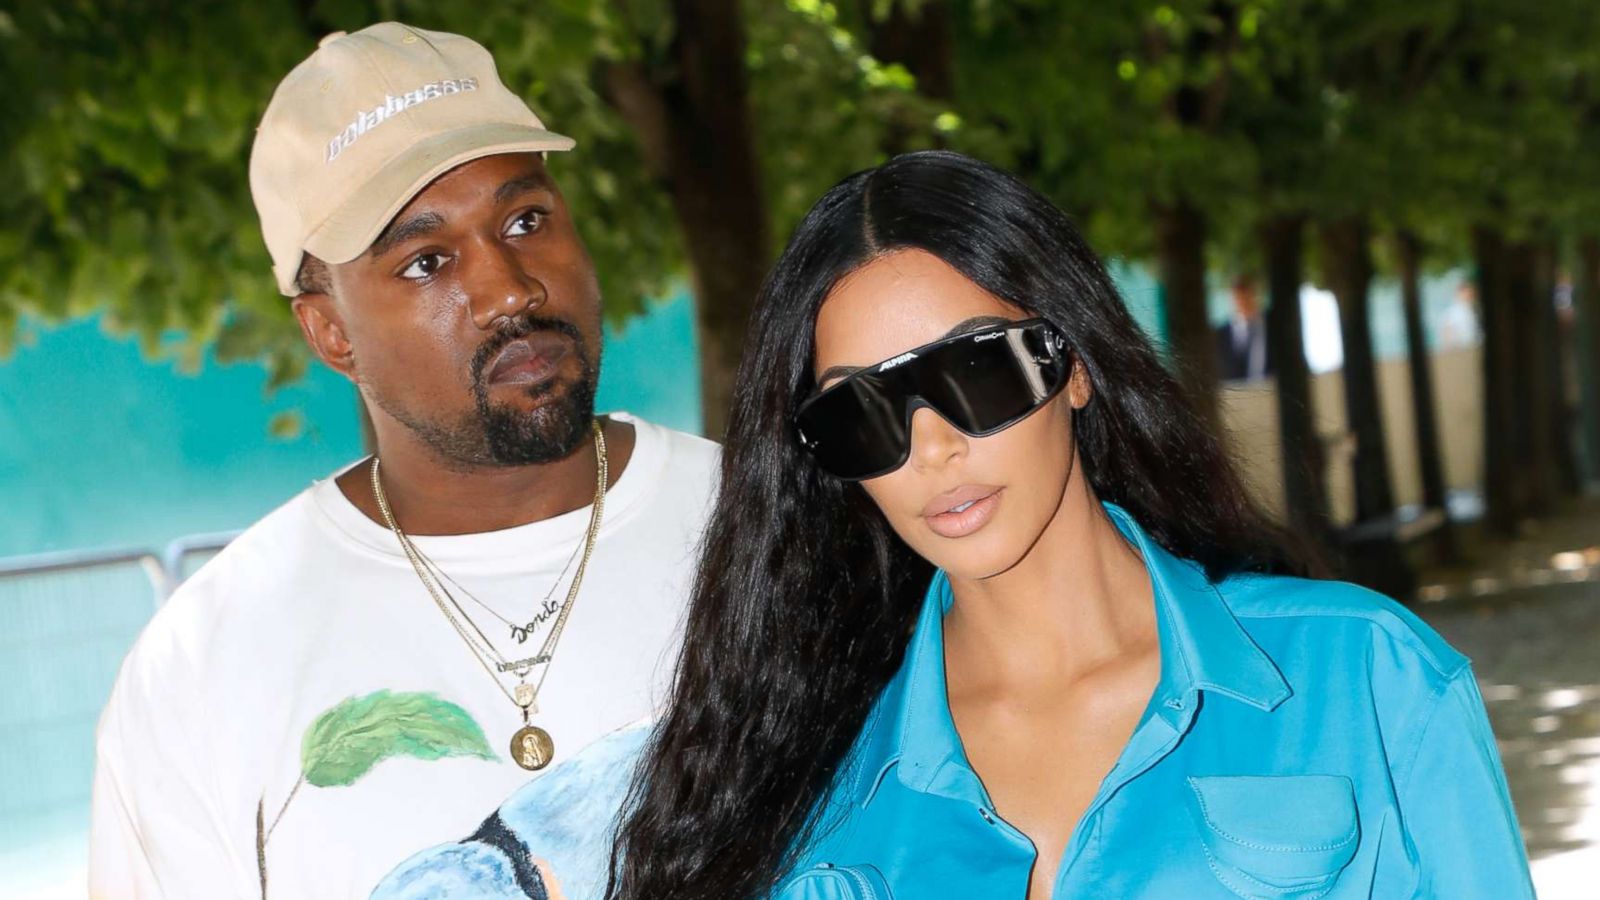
[(352, 228)]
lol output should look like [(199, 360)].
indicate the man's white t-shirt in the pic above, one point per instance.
[(306, 672)]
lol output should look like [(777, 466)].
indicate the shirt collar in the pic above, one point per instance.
[(1203, 648)]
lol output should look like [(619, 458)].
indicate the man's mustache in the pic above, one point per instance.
[(520, 327)]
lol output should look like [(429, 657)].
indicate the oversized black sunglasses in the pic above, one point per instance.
[(981, 382)]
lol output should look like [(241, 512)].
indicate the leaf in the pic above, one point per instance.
[(287, 425), (345, 742)]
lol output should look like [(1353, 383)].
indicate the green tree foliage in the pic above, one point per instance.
[(124, 163), (1171, 128), (128, 142)]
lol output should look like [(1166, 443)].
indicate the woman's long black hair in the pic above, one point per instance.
[(805, 599)]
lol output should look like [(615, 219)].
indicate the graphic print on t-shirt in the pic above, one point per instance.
[(551, 839), (348, 739)]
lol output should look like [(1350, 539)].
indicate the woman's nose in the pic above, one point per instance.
[(935, 443)]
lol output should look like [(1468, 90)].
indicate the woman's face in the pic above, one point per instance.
[(1009, 485)]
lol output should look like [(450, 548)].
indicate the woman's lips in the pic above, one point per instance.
[(962, 511), (529, 360)]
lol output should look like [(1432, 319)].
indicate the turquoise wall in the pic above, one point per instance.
[(100, 446)]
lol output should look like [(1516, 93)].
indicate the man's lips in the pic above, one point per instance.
[(962, 511), (529, 360)]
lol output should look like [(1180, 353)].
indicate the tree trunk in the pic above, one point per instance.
[(1180, 246), (690, 111), (919, 37), (1304, 468), (1348, 259), (1430, 457), (1586, 304), (1502, 482), (1550, 364), (1531, 450)]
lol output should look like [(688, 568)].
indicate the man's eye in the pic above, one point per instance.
[(527, 223), (423, 266)]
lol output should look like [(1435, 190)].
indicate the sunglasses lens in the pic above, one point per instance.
[(983, 384), (980, 383), (857, 429)]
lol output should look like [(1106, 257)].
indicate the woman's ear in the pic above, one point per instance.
[(1080, 390)]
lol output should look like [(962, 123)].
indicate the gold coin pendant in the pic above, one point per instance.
[(532, 748)]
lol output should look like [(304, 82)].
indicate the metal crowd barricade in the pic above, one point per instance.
[(67, 620), (165, 568)]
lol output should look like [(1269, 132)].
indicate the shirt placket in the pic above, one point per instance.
[(957, 781), (1154, 739)]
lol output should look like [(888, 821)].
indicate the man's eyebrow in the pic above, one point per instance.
[(522, 185), (405, 230), (422, 223), (976, 323)]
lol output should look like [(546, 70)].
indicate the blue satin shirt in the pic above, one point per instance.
[(1306, 739)]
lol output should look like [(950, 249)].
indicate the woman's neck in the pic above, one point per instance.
[(1080, 599)]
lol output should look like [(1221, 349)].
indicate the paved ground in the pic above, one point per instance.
[(1528, 614)]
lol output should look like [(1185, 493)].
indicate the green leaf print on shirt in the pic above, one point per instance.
[(345, 742), (351, 737)]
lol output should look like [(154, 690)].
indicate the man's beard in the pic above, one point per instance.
[(500, 434)]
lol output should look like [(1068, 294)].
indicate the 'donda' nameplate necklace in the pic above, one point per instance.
[(532, 747)]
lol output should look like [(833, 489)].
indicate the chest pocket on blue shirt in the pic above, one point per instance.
[(830, 882), (1276, 837)]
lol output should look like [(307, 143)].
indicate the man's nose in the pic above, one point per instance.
[(498, 286)]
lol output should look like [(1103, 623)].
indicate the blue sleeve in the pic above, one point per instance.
[(1456, 807)]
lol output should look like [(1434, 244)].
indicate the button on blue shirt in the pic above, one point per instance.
[(1306, 739)]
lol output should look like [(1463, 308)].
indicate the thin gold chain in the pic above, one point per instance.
[(444, 578), (482, 650)]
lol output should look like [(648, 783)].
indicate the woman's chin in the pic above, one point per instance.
[(978, 557)]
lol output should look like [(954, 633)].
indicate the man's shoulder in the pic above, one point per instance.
[(676, 465), (254, 565), (258, 553), (688, 447)]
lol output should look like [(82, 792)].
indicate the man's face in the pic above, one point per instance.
[(474, 319)]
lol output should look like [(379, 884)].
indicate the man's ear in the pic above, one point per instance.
[(324, 332)]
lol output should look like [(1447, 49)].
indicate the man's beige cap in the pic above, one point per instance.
[(367, 121)]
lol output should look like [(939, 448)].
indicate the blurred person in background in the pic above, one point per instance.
[(1243, 353), (1458, 324), (363, 672)]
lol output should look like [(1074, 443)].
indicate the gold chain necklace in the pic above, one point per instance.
[(519, 633), (531, 747)]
